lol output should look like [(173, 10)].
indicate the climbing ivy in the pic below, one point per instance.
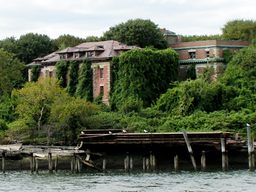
[(73, 77), (84, 87), (143, 74), (35, 72), (61, 72)]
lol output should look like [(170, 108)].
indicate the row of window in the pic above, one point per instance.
[(192, 54)]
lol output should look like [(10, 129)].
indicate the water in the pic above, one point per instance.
[(23, 181)]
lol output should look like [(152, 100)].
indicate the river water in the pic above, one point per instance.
[(185, 181)]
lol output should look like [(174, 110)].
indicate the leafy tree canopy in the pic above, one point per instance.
[(33, 45), (9, 44), (138, 32), (64, 41), (240, 30), (10, 72)]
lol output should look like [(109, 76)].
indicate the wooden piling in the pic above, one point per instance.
[(143, 163), (176, 162), (104, 164), (3, 161), (32, 163), (189, 149), (224, 154), (147, 163), (72, 165), (50, 161), (126, 162), (251, 161), (78, 165), (56, 164), (131, 163), (203, 161), (36, 164)]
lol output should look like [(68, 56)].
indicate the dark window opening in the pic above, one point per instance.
[(101, 90), (101, 72), (207, 54), (192, 55)]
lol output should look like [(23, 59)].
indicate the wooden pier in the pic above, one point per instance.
[(102, 150), (199, 147)]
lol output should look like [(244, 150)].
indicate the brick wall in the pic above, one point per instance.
[(101, 80)]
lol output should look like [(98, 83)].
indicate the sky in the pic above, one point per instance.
[(84, 18)]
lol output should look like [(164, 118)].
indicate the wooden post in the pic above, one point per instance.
[(203, 160), (189, 149), (224, 154), (104, 164), (56, 164), (147, 163), (78, 165), (72, 164), (131, 163), (36, 165), (250, 148), (176, 162), (126, 162), (32, 162), (50, 161), (143, 163), (3, 161)]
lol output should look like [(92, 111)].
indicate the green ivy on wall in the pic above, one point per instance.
[(84, 87), (35, 72), (72, 77), (143, 74), (61, 72)]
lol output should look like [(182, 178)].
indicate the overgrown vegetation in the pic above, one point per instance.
[(139, 76)]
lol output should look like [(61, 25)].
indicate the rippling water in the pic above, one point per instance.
[(183, 181)]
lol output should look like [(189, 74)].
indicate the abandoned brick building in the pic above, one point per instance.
[(201, 54), (100, 54)]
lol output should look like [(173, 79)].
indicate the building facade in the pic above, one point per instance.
[(99, 53), (203, 54)]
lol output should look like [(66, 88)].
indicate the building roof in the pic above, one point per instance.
[(104, 49), (209, 44)]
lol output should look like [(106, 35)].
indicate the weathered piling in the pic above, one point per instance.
[(36, 165), (50, 161), (176, 162), (251, 160), (224, 155), (3, 161), (144, 163), (203, 161), (127, 162), (104, 163), (32, 162), (56, 164), (189, 149)]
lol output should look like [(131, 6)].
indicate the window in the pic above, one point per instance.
[(102, 90), (192, 54), (207, 53), (101, 73), (50, 73)]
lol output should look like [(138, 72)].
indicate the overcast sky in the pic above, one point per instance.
[(84, 18)]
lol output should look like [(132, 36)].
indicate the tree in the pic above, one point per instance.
[(31, 46), (240, 30), (69, 116), (92, 39), (10, 72), (138, 32), (10, 45), (45, 110), (143, 75), (66, 40)]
